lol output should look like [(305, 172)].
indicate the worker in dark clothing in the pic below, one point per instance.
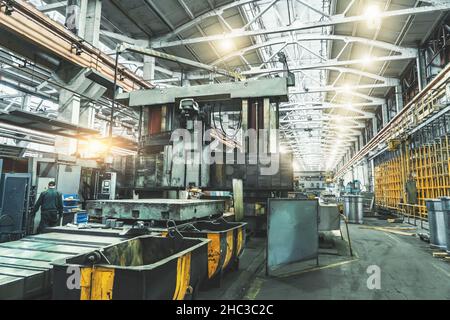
[(51, 205)]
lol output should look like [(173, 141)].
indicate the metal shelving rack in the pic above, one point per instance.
[(72, 212), (424, 155), (388, 181)]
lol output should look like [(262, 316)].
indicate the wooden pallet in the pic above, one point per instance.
[(441, 254), (396, 230), (395, 220)]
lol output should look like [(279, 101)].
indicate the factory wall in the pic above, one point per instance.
[(415, 169)]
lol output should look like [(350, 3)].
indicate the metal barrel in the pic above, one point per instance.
[(436, 224), (353, 208), (143, 268), (446, 208), (329, 217)]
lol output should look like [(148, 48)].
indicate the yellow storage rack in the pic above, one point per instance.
[(389, 181), (425, 157)]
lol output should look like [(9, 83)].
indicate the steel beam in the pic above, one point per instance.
[(325, 118), (332, 21), (52, 6), (191, 16), (161, 55), (326, 64), (325, 107), (319, 37), (123, 38), (313, 8), (340, 89), (199, 76), (364, 74), (216, 12), (259, 15)]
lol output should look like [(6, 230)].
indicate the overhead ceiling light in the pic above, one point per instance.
[(372, 15), (226, 44), (93, 147), (367, 60), (346, 88)]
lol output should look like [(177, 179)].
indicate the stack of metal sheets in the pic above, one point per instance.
[(25, 265)]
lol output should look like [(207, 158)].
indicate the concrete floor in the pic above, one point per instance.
[(408, 271), (235, 284)]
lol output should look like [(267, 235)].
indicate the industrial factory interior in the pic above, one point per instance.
[(225, 150)]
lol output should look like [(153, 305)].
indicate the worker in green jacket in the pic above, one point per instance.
[(51, 205)]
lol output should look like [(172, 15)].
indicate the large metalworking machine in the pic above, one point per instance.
[(207, 135), (204, 137), (219, 118)]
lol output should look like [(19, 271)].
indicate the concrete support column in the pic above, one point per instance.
[(83, 17), (184, 80), (375, 126), (73, 109), (69, 110), (420, 63), (25, 100), (372, 175), (384, 114), (399, 98), (361, 141), (73, 9), (70, 107), (365, 172), (149, 68), (90, 19), (87, 116)]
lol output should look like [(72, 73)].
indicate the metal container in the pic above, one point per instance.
[(353, 208), (143, 268), (446, 208), (436, 224), (329, 217), (25, 265), (226, 246)]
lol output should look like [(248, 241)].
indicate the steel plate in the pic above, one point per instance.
[(292, 231)]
